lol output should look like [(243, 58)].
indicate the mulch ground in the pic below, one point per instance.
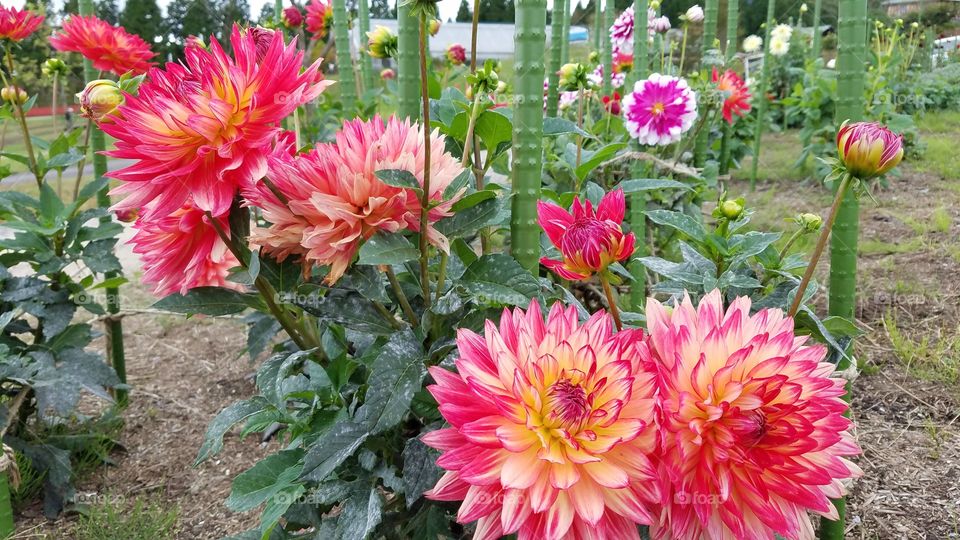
[(185, 371)]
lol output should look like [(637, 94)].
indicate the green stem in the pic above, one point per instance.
[(401, 297), (425, 196), (790, 241), (471, 125), (683, 49), (611, 300), (607, 51), (442, 276), (473, 36), (821, 244), (527, 159), (579, 125), (761, 97), (22, 118), (817, 38)]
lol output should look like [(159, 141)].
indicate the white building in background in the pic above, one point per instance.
[(494, 40)]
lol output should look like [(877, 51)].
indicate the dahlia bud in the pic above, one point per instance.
[(127, 215), (14, 94), (433, 26), (914, 25), (809, 222), (694, 14), (573, 77), (588, 241), (291, 17), (100, 99), (594, 57), (501, 87), (612, 104), (654, 4), (382, 43), (868, 149), (660, 25), (456, 54), (803, 8), (731, 209), (54, 66), (388, 74)]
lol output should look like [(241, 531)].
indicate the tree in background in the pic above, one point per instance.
[(233, 11), (143, 17), (464, 14), (186, 18), (380, 9), (497, 11), (108, 10)]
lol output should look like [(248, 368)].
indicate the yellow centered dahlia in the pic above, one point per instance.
[(752, 430), (868, 149), (550, 428)]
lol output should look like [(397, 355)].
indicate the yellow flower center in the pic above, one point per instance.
[(567, 402), (657, 108)]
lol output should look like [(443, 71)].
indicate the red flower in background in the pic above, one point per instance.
[(737, 100), (17, 24), (456, 54), (612, 104), (109, 48), (292, 17), (319, 15)]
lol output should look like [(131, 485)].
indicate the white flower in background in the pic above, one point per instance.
[(752, 43), (779, 47), (694, 14), (832, 63), (803, 8), (782, 32)]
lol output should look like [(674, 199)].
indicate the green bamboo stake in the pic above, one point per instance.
[(597, 23), (366, 63), (710, 15), (114, 327), (529, 39), (609, 12), (816, 46), (278, 13), (638, 200), (566, 31), (556, 57), (761, 97), (408, 64), (7, 527), (341, 38), (730, 50), (851, 75)]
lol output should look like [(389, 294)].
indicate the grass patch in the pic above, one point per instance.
[(929, 357), (778, 155), (115, 520), (939, 131), (879, 247), (941, 220)]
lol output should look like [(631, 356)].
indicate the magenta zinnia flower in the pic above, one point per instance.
[(107, 47), (589, 242), (18, 24), (202, 129), (869, 149), (659, 110), (549, 428), (182, 251), (752, 429), (335, 200)]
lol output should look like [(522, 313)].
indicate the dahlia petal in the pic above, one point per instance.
[(521, 470), (563, 475)]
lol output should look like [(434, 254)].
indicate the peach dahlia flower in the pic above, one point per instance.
[(335, 201), (550, 428), (201, 130), (752, 427)]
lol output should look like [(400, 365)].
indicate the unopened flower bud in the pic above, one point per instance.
[(100, 99), (809, 222), (53, 66), (14, 94), (694, 14), (868, 149), (382, 43), (731, 209), (433, 26), (388, 74)]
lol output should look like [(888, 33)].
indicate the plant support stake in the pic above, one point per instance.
[(638, 200), (341, 37), (366, 63), (556, 57), (761, 98), (408, 64), (529, 39), (729, 51), (710, 9)]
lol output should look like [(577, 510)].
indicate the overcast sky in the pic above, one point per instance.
[(448, 8)]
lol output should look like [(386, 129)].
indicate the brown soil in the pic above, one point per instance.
[(185, 371)]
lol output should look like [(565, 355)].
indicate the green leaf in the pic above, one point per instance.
[(213, 301), (50, 204), (259, 483), (347, 308), (592, 160), (387, 248), (98, 256), (559, 126), (650, 184), (399, 178), (493, 129), (420, 471), (457, 184), (360, 513), (332, 449), (471, 220), (396, 376), (226, 419), (500, 280), (682, 222), (473, 199)]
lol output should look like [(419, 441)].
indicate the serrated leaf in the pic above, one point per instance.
[(397, 373), (226, 419), (387, 248), (214, 301), (650, 184), (399, 178), (265, 479), (682, 222), (420, 470), (332, 449), (500, 280), (471, 220)]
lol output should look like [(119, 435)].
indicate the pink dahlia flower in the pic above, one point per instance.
[(319, 17), (202, 129), (618, 80), (621, 33), (752, 428), (869, 149), (659, 110), (456, 54), (335, 200), (292, 17), (107, 47), (18, 24), (182, 251), (550, 428), (589, 242)]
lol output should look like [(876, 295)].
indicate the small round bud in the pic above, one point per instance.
[(100, 99)]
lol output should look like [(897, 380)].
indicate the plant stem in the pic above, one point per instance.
[(611, 300), (82, 164), (821, 244), (442, 276), (425, 197), (22, 118), (401, 297), (793, 238), (473, 35), (471, 126), (579, 125), (683, 49)]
